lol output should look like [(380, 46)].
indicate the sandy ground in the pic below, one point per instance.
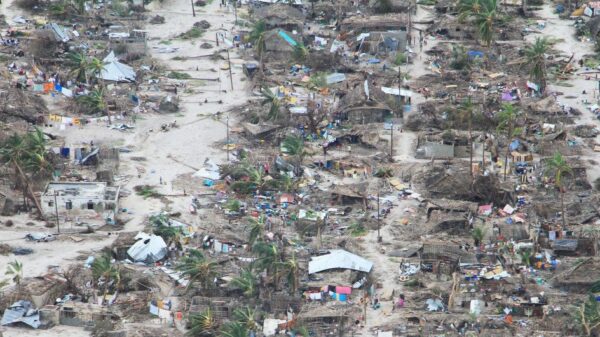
[(167, 154), (62, 330)]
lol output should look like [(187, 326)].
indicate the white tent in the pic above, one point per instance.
[(339, 259), (148, 248), (116, 71)]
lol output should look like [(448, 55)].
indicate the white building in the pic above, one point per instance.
[(87, 200)]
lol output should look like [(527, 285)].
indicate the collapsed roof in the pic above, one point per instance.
[(339, 259), (116, 71), (148, 248), (21, 312)]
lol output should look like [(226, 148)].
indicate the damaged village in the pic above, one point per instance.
[(250, 168)]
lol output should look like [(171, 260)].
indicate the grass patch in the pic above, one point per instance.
[(564, 84), (400, 59), (193, 33), (146, 191), (165, 42), (357, 229), (179, 76), (179, 58)]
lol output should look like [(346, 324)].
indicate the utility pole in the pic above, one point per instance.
[(379, 239), (235, 11), (230, 73), (227, 145), (56, 210), (193, 9)]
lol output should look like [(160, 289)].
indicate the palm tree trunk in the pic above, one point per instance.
[(471, 147), (506, 160), (562, 206), (28, 188)]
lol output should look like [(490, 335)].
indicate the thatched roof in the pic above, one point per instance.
[(375, 22)]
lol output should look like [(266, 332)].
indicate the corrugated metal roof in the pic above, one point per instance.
[(339, 259), (21, 312)]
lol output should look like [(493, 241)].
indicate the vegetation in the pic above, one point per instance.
[(477, 234), (460, 58), (203, 324), (293, 146), (558, 166), (246, 282), (27, 155), (271, 99), (93, 102), (257, 229), (507, 118), (536, 58), (14, 270), (179, 76), (483, 14), (587, 315), (318, 80), (193, 33), (105, 273), (147, 191), (301, 53), (357, 229), (290, 269), (198, 269), (400, 59)]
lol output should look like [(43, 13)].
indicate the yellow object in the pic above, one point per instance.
[(578, 11)]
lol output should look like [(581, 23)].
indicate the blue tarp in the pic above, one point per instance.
[(287, 38), (514, 145), (475, 54)]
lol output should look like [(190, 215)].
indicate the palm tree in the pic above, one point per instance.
[(15, 270), (271, 98), (468, 8), (233, 329), (268, 258), (198, 269), (293, 146), (536, 58), (94, 68), (485, 21), (247, 317), (587, 315), (257, 37), (525, 257), (257, 229), (104, 271), (290, 268), (300, 52), (477, 234), (26, 154), (507, 118), (94, 101), (466, 112), (246, 282), (558, 166), (79, 66), (483, 14), (203, 324)]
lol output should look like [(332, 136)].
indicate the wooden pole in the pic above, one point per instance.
[(230, 73), (193, 9)]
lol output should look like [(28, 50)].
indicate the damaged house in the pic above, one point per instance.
[(89, 200)]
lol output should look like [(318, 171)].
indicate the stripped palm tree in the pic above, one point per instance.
[(507, 119), (294, 146), (290, 268), (268, 256), (95, 67), (558, 166)]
